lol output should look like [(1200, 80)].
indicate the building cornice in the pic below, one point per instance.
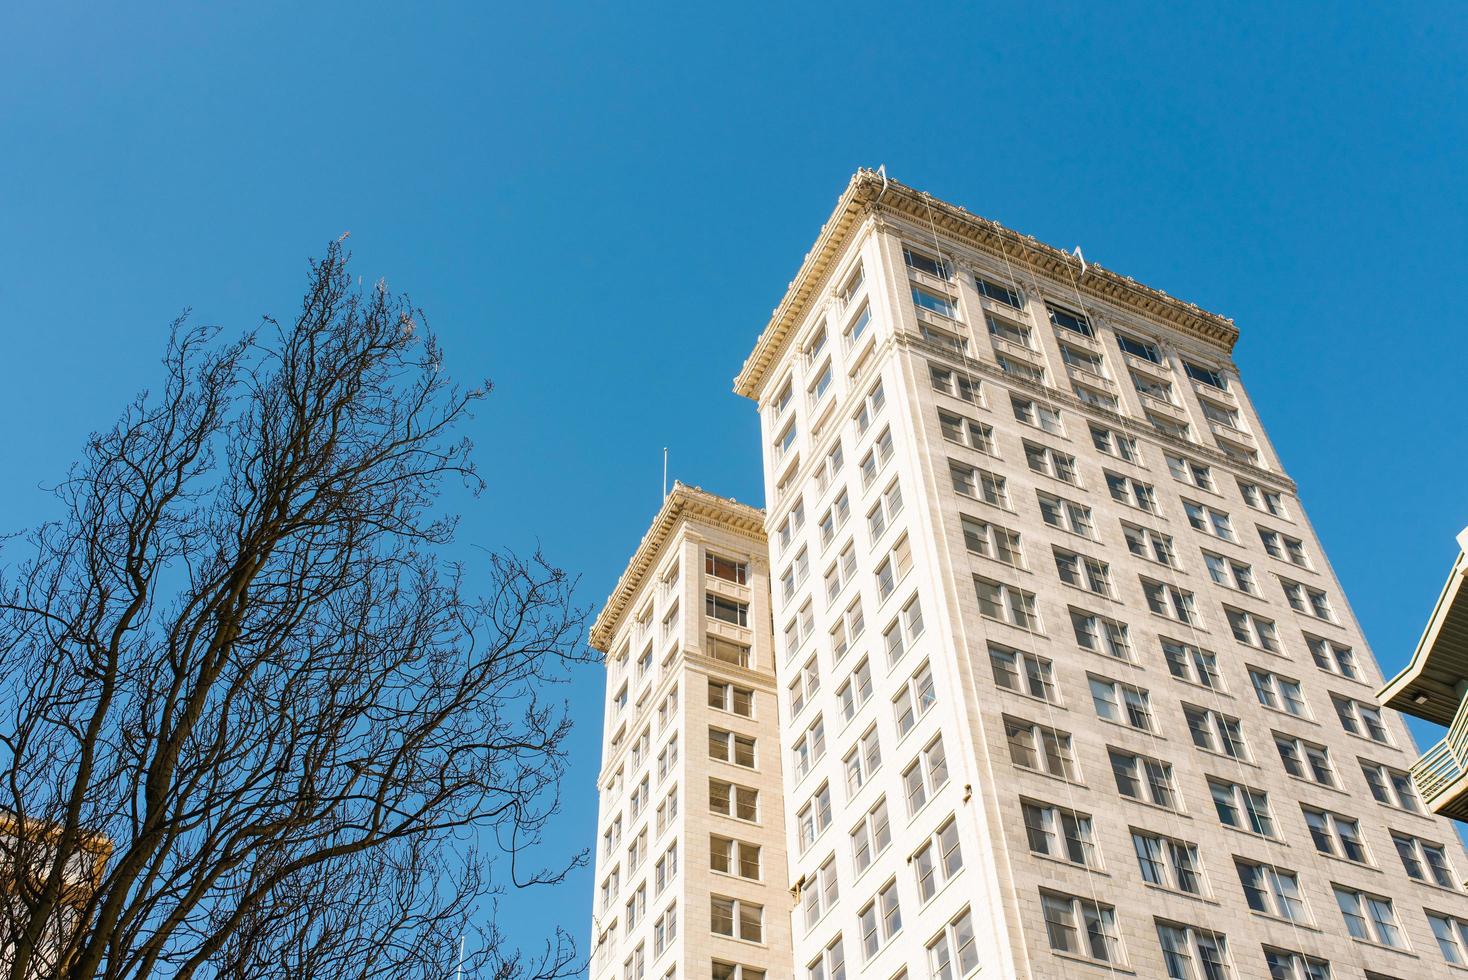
[(872, 193), (682, 505)]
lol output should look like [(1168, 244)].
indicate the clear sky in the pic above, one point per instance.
[(599, 204)]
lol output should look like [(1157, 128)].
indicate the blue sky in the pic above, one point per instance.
[(598, 205)]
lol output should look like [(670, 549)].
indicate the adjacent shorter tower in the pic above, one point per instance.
[(691, 864)]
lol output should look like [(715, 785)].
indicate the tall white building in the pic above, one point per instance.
[(1066, 684)]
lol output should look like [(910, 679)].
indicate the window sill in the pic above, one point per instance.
[(1166, 890), (1047, 775), (1098, 964), (1078, 868), (1284, 920), (1373, 944), (1034, 698), (1155, 806)]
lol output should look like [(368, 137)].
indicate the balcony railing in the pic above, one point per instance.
[(1439, 774)]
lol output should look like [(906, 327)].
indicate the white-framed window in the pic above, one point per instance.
[(876, 457), (814, 817), (809, 748), (871, 836), (1081, 927), (667, 811), (1425, 861), (841, 571), (879, 920), (935, 302), (968, 432), (847, 629), (1211, 377), (802, 688), (1083, 572), (1283, 547), (1191, 663), (1209, 520), (1170, 601), (635, 968), (1117, 444), (1360, 718), (1336, 834), (914, 700), (1131, 492), (1191, 953), (1392, 787), (1144, 349), (1242, 807), (1307, 600), (1213, 731), (1190, 471), (819, 893), (611, 887), (834, 518), (1007, 604), (830, 965), (726, 610), (1268, 501), (733, 800), (1451, 934), (1170, 427), (737, 918), (923, 262), (953, 954), (979, 484), (862, 762), (992, 541), (1020, 369), (1141, 777), (1288, 964), (727, 746), (1168, 862), (1369, 917), (1066, 515), (1011, 297), (1252, 630), (637, 851), (893, 568), (958, 384), (665, 930), (731, 698), (1040, 748), (1219, 414), (1278, 693), (734, 857), (937, 860), (1023, 673), (636, 907), (1070, 320), (1149, 544), (1009, 332), (1272, 890), (722, 970), (1061, 833), (925, 775), (1154, 388), (856, 691), (1230, 573), (1037, 414), (1333, 658), (1124, 704), (1305, 760), (871, 406), (1101, 634), (1083, 360), (830, 467)]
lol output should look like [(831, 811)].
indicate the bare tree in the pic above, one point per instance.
[(252, 721)]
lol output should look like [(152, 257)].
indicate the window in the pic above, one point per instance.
[(1000, 294), (1268, 501), (991, 540), (1041, 748), (876, 457), (1143, 778), (1190, 953), (871, 837), (734, 971), (818, 893), (1009, 331), (785, 441), (1332, 657), (1114, 443), (734, 857), (611, 885), (1020, 369), (813, 818), (967, 432), (1284, 547), (1124, 704), (737, 918), (1424, 861), (1168, 863), (871, 405), (925, 775), (1189, 471), (732, 698), (1066, 515), (952, 383), (1278, 693), (1083, 572), (834, 518), (1311, 602), (1336, 835), (1139, 348), (1170, 427), (952, 954), (1219, 414), (804, 687), (1252, 630), (665, 930), (1153, 388), (1170, 601), (1286, 964), (726, 610), (668, 810), (1051, 462), (1272, 890), (938, 860), (1391, 786), (1205, 375), (879, 920), (914, 700), (1007, 604), (894, 568), (1208, 520), (1305, 760), (1230, 574), (1082, 360), (636, 907), (1101, 635), (856, 691), (858, 326), (1060, 833), (864, 759), (926, 263), (1369, 917), (1023, 673), (841, 571), (1360, 718), (733, 800), (809, 748), (1242, 807), (906, 627), (1133, 493), (1189, 663), (1068, 320), (1033, 413), (847, 629), (729, 747), (1452, 937), (1081, 927), (635, 968), (1215, 732), (1151, 545), (935, 303), (830, 965), (979, 484)]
